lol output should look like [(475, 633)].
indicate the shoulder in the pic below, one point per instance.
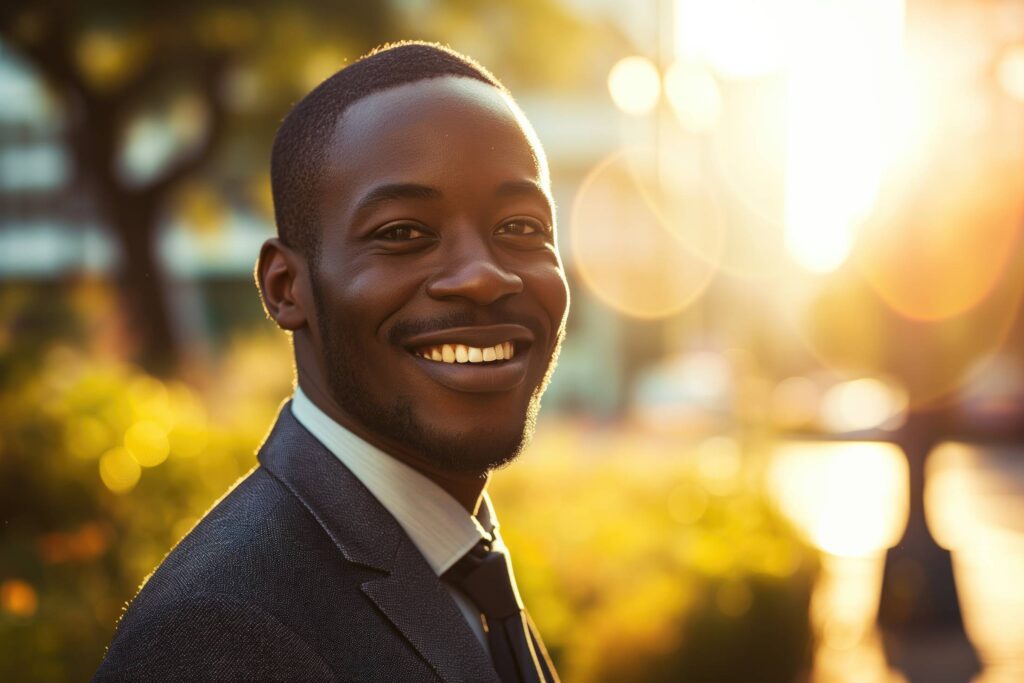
[(255, 520), (215, 636), (234, 596)]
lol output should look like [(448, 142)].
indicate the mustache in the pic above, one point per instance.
[(404, 329)]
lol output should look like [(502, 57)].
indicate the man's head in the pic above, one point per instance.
[(416, 223)]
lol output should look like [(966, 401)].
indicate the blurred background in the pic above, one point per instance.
[(786, 438)]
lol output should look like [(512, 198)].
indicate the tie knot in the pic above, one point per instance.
[(485, 575)]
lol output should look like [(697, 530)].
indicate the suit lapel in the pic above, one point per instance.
[(408, 593), (415, 601)]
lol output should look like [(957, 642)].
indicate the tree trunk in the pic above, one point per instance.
[(143, 285)]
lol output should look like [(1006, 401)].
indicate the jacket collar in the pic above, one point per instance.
[(408, 592)]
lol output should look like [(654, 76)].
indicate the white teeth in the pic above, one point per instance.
[(463, 353)]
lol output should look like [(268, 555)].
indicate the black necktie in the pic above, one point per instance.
[(486, 577)]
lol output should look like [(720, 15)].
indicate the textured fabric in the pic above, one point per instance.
[(298, 573), (436, 523)]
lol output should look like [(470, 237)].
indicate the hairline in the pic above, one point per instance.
[(313, 259)]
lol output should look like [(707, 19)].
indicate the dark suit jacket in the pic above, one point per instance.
[(298, 573)]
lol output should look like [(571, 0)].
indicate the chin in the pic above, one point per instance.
[(475, 450)]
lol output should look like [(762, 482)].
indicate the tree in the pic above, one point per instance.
[(239, 66)]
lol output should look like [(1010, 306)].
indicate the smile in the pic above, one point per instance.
[(465, 353), (474, 359)]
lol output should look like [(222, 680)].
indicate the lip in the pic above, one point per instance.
[(475, 335), (475, 378)]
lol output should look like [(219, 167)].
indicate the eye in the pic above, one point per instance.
[(401, 232), (522, 226)]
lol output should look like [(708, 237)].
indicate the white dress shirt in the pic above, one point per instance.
[(436, 523)]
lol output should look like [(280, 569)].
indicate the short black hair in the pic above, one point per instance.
[(298, 155)]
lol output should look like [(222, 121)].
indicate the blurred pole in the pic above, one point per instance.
[(918, 590)]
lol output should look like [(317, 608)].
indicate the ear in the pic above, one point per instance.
[(281, 276)]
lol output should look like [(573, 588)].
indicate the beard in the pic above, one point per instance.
[(478, 453)]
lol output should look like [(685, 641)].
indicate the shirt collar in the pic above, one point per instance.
[(436, 523)]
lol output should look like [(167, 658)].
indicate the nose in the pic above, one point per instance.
[(474, 276)]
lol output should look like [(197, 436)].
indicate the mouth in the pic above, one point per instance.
[(464, 353), (483, 359)]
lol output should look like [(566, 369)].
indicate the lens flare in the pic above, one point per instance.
[(638, 251), (957, 236)]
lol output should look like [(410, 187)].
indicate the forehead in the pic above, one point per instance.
[(436, 131)]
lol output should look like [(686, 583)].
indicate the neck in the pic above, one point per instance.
[(465, 488)]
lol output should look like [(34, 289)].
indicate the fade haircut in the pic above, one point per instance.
[(299, 152)]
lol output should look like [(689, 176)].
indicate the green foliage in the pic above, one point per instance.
[(641, 562), (639, 559), (102, 469)]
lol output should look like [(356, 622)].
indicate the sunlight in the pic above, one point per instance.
[(709, 31), (849, 498), (837, 97), (694, 96), (974, 501)]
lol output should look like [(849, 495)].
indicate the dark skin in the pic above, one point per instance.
[(437, 228)]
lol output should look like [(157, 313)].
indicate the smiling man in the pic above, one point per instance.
[(416, 267)]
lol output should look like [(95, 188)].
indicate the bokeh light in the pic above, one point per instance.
[(635, 85), (694, 96), (849, 498), (119, 471), (1010, 72), (106, 57), (861, 404), (973, 500), (18, 598), (146, 441)]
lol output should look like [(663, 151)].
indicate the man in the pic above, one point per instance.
[(416, 268)]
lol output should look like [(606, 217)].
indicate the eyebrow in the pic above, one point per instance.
[(514, 188), (395, 191)]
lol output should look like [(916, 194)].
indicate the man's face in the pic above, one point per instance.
[(438, 247)]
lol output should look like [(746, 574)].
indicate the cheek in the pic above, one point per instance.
[(551, 289), (365, 297)]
